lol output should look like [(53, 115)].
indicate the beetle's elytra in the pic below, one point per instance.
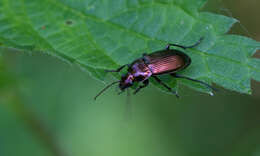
[(166, 61)]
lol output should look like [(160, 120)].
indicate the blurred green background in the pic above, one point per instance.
[(47, 108)]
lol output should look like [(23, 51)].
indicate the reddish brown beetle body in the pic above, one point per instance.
[(165, 61)]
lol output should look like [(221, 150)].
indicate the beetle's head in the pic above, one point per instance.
[(126, 81)]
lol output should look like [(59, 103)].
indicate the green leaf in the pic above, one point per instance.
[(98, 35)]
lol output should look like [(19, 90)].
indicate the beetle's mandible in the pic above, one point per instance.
[(166, 61)]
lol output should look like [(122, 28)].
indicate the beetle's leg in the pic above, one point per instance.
[(167, 87), (187, 78), (118, 69), (146, 61), (184, 47), (145, 83)]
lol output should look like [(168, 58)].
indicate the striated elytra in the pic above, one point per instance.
[(166, 61)]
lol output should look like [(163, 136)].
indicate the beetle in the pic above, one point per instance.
[(166, 61)]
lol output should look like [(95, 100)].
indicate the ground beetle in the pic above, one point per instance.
[(166, 61)]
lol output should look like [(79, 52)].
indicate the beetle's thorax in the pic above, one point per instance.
[(140, 71), (137, 72)]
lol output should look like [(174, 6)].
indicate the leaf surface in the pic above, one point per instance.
[(98, 35)]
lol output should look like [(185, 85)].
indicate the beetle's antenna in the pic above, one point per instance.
[(108, 86)]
